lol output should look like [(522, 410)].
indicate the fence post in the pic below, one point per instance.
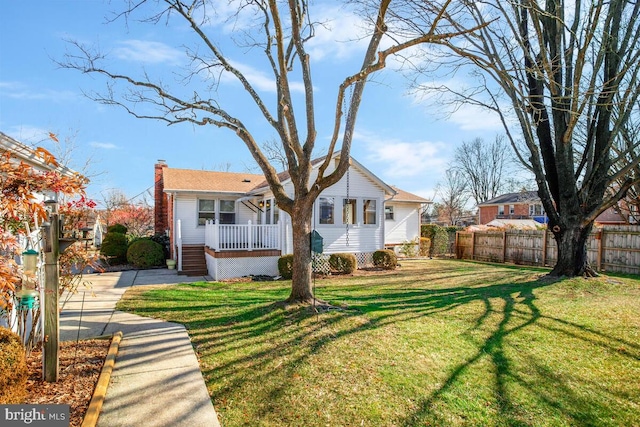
[(600, 239), (504, 246), (249, 236), (544, 247), (456, 247), (473, 245)]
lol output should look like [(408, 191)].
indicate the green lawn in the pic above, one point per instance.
[(434, 343)]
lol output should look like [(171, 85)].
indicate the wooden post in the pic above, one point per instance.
[(544, 247), (600, 239), (50, 360), (473, 245), (504, 246), (456, 246)]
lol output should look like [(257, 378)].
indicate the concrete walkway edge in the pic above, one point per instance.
[(156, 380)]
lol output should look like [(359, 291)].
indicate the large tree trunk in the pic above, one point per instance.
[(301, 290), (572, 251)]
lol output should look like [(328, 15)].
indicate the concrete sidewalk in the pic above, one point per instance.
[(156, 381)]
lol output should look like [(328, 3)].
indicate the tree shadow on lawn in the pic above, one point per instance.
[(282, 340)]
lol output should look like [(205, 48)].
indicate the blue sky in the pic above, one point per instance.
[(400, 139)]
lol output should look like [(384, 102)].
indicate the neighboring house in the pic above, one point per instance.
[(228, 225), (522, 205), (526, 205), (611, 217)]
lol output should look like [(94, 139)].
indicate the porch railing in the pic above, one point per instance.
[(242, 237), (179, 243)]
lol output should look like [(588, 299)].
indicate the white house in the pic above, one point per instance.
[(228, 225)]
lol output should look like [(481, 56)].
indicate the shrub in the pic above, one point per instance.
[(343, 263), (408, 248), (285, 266), (425, 244), (117, 228), (385, 258), (13, 368), (145, 253), (163, 239), (114, 247), (439, 238)]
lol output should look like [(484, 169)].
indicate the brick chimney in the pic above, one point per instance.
[(161, 220)]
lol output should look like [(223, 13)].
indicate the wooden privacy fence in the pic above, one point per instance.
[(611, 248)]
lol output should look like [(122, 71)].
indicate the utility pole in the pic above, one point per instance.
[(51, 307)]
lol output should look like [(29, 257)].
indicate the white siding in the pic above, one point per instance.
[(187, 212), (244, 214), (361, 238), (406, 223)]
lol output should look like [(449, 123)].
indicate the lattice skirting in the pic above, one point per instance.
[(230, 268), (320, 262)]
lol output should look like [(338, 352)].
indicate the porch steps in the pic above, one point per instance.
[(193, 261)]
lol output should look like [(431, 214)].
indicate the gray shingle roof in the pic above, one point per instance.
[(513, 198)]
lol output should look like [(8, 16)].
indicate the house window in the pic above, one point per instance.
[(369, 211), (536, 210), (388, 213), (326, 205), (501, 210), (349, 211), (227, 212), (512, 209), (267, 211), (276, 213), (206, 211)]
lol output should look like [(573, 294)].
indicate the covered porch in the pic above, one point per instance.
[(236, 250)]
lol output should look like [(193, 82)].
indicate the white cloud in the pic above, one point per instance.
[(440, 103), (258, 79), (18, 90), (340, 35), (28, 134), (401, 159), (104, 145), (148, 52), (475, 118)]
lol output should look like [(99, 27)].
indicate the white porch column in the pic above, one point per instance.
[(216, 236), (179, 242)]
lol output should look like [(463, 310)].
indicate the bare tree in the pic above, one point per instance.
[(485, 167), (277, 35), (454, 195), (563, 78)]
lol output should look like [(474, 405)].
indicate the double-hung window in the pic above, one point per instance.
[(369, 211), (349, 211), (227, 212), (206, 211), (326, 210), (388, 213)]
